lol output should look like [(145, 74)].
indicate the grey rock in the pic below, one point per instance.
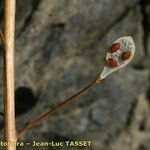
[(60, 47), (145, 146)]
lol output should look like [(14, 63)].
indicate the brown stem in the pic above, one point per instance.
[(2, 39), (50, 112), (8, 56)]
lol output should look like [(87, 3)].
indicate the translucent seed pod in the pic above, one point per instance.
[(126, 51)]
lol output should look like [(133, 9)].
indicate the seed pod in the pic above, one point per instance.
[(112, 63), (126, 55), (114, 47)]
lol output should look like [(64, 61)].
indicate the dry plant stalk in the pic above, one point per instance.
[(8, 73), (118, 56)]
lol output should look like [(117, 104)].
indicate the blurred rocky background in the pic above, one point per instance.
[(60, 48)]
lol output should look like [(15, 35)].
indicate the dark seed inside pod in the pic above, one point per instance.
[(126, 55), (112, 63), (114, 47)]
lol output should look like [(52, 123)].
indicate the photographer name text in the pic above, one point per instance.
[(80, 143)]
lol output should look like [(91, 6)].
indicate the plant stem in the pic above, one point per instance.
[(2, 39), (50, 112), (9, 106)]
